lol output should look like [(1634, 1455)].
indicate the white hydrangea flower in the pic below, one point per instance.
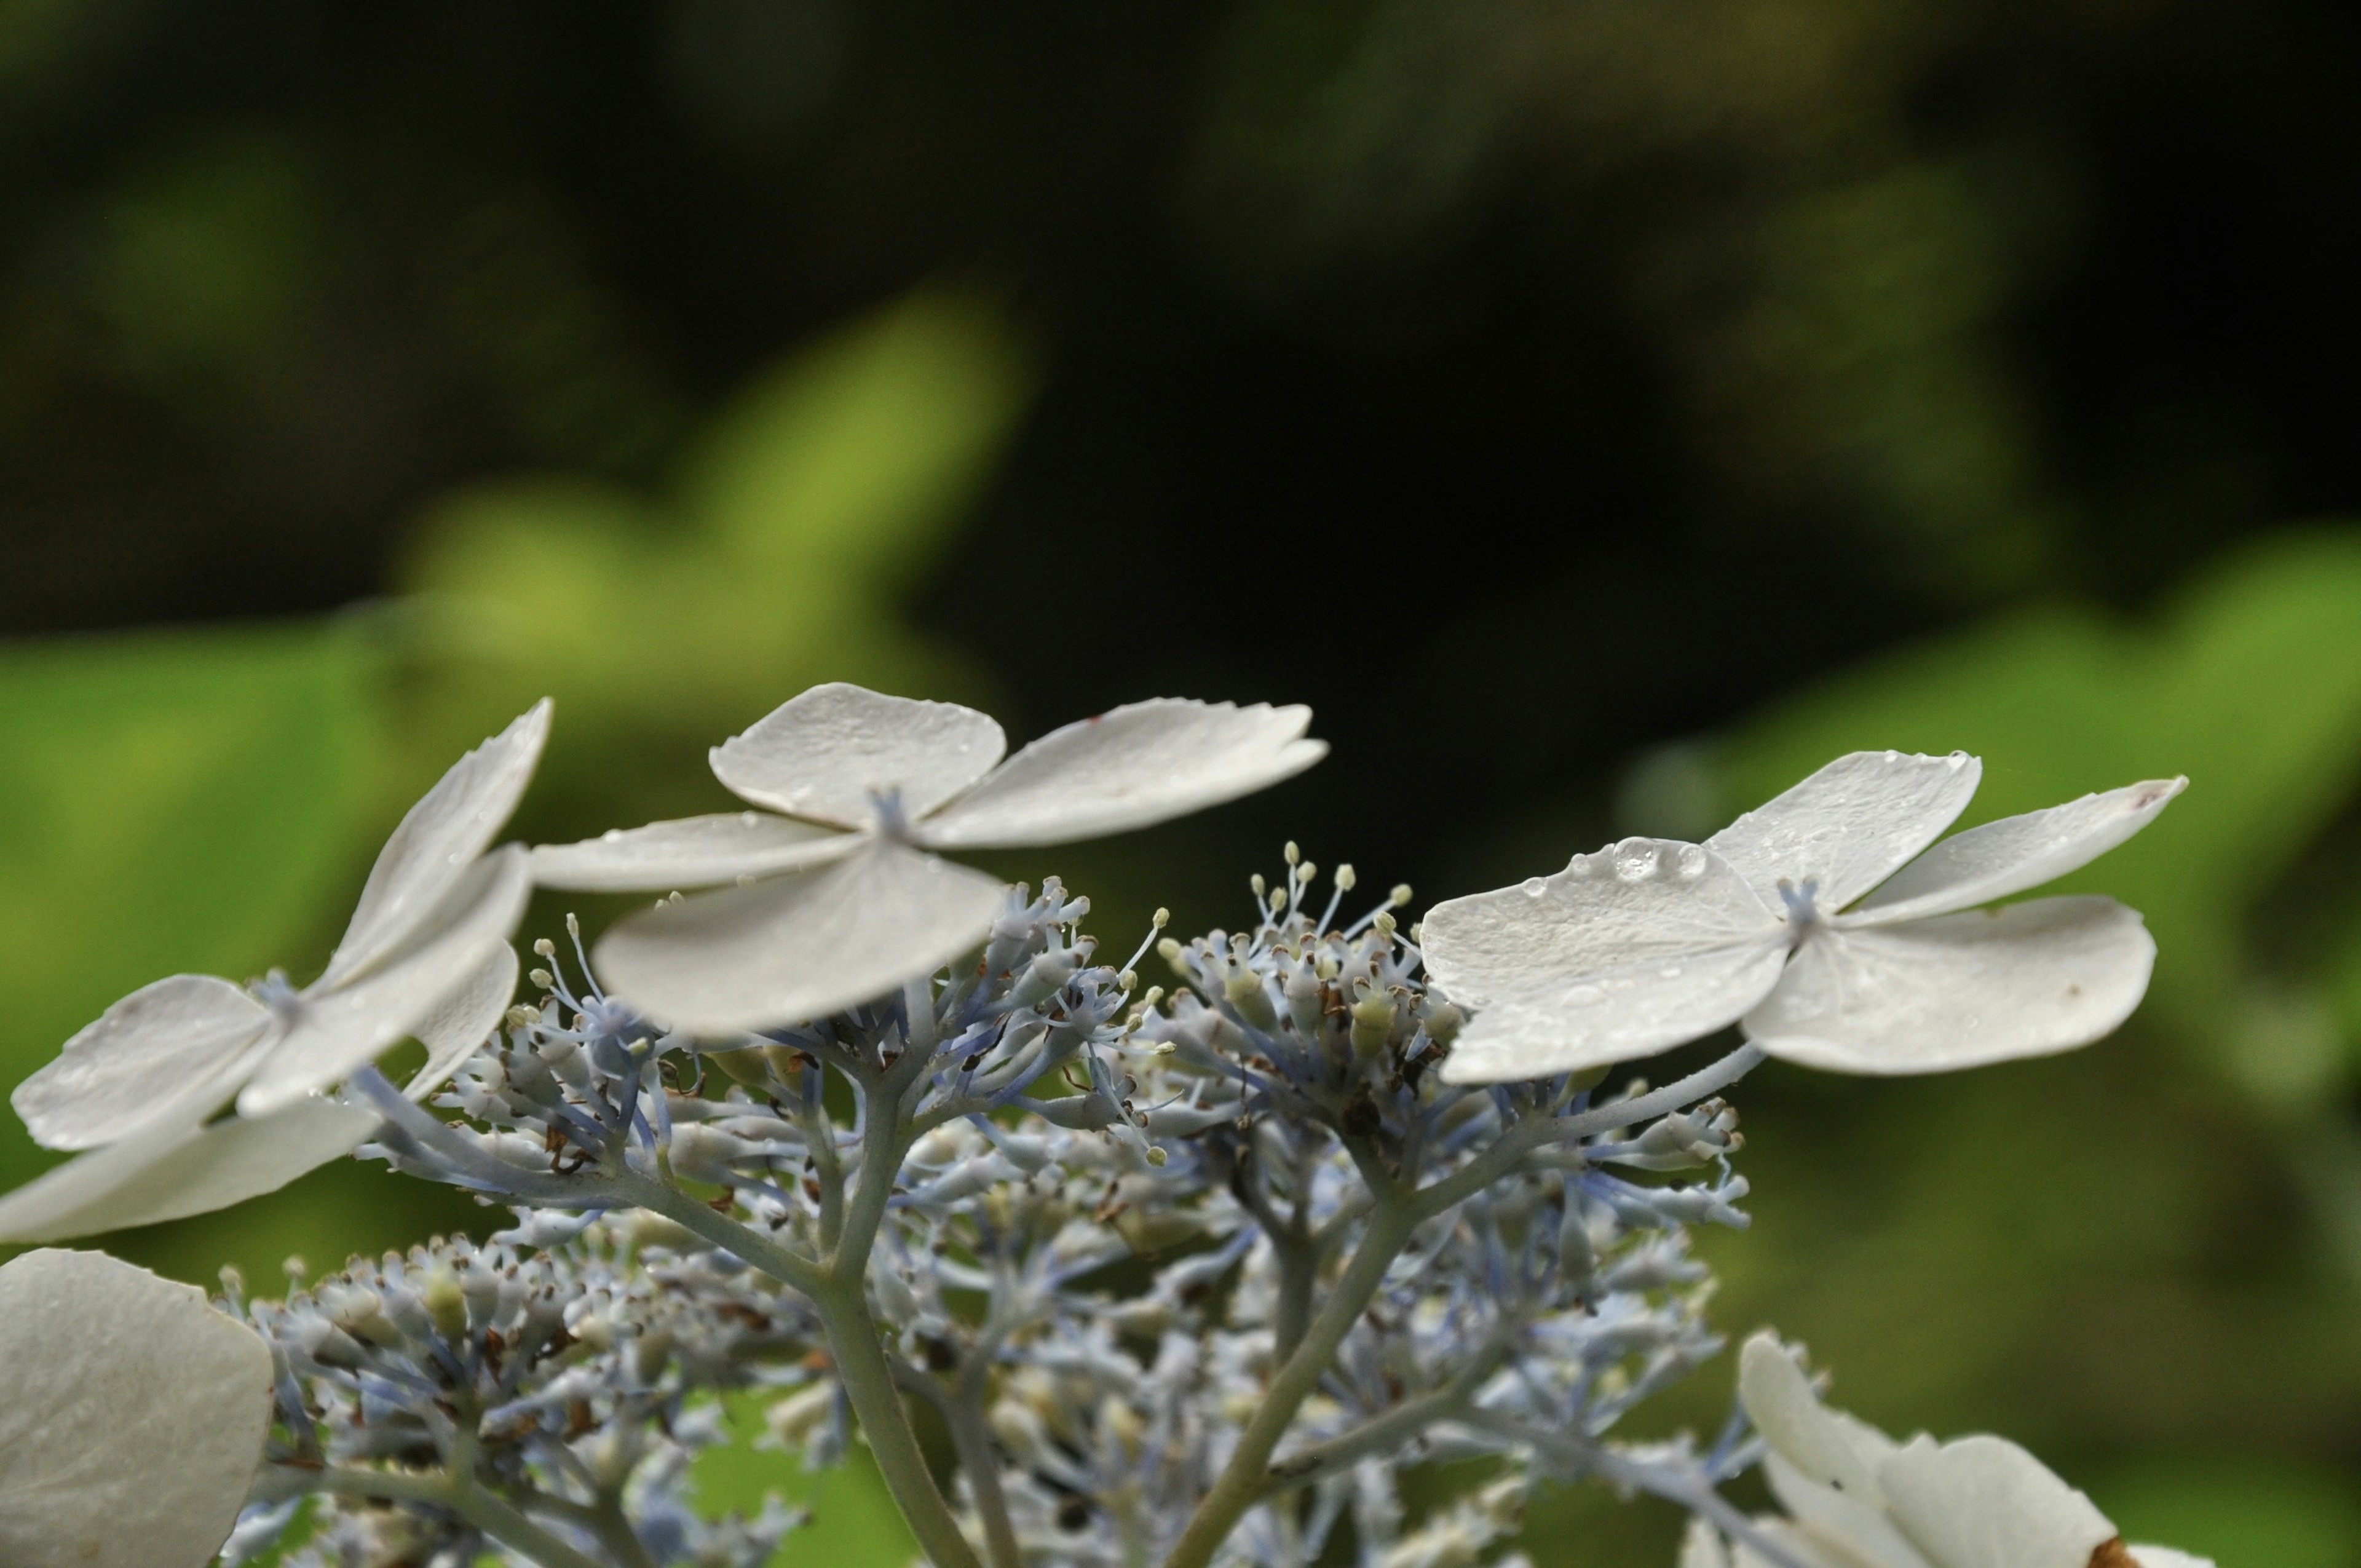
[(426, 954), (836, 898), (1855, 1498), (1650, 943), (132, 1416)]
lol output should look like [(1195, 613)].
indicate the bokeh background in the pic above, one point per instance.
[(1601, 411)]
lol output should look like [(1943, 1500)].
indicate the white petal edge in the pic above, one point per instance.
[(2166, 1557), (1850, 824), (438, 839), (822, 754), (84, 1340), (1781, 1402), (1859, 1529), (463, 1020), (1616, 1014), (2015, 853), (693, 851), (184, 1031), (340, 1028), (1957, 990), (1702, 1546), (1983, 1502), (1140, 764), (170, 1173), (1640, 901), (798, 947)]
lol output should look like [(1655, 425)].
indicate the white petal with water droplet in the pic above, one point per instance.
[(1983, 1502), (1849, 826), (132, 1416), (799, 945), (822, 754), (2015, 853), (1957, 991), (463, 1020), (694, 851), (1143, 762), (191, 1035), (437, 841)]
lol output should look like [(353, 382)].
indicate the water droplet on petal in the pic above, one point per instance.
[(1534, 887), (1670, 971), (1690, 861), (1635, 859), (1584, 995)]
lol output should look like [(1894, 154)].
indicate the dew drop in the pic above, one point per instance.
[(1670, 971), (1584, 995), (1635, 859), (1690, 861), (1534, 887), (611, 835)]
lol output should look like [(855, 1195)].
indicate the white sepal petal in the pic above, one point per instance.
[(800, 946), (1702, 1546), (1983, 1502), (336, 1029), (822, 754), (1134, 765), (1858, 1527), (2015, 853), (694, 851), (1957, 990), (438, 841), (464, 1019), (174, 1035), (132, 1416), (2166, 1557), (1849, 826), (1826, 1446), (1615, 1015), (171, 1172), (1640, 901)]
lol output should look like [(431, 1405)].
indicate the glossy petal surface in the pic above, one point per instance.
[(1849, 826), (438, 841), (463, 1020), (1983, 1502), (694, 851), (1615, 1015), (339, 1028), (1957, 990), (822, 755), (131, 1416), (178, 1034), (798, 947), (1140, 764), (170, 1173), (2016, 854)]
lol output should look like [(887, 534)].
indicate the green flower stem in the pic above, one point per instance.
[(1405, 1421), (461, 1496), (1241, 1481)]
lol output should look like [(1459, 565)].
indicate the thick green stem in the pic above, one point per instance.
[(488, 1513), (1241, 1481), (1402, 1422), (868, 1379)]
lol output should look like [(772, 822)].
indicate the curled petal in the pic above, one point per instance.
[(694, 851), (131, 1416), (1824, 1445), (337, 1028), (798, 947), (1143, 762), (2015, 853), (438, 841), (188, 1035), (1850, 824), (170, 1172), (824, 754), (1983, 1502), (1956, 990), (463, 1020)]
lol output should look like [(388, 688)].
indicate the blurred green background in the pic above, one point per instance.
[(1602, 414)]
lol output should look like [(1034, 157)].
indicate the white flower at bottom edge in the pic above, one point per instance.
[(1649, 944), (837, 899), (1855, 1498), (426, 954), (132, 1416)]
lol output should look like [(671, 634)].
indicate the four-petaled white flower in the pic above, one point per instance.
[(1855, 1498), (837, 900), (426, 954), (1649, 943), (132, 1416)]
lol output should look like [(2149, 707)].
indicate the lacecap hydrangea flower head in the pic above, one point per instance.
[(1817, 924)]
